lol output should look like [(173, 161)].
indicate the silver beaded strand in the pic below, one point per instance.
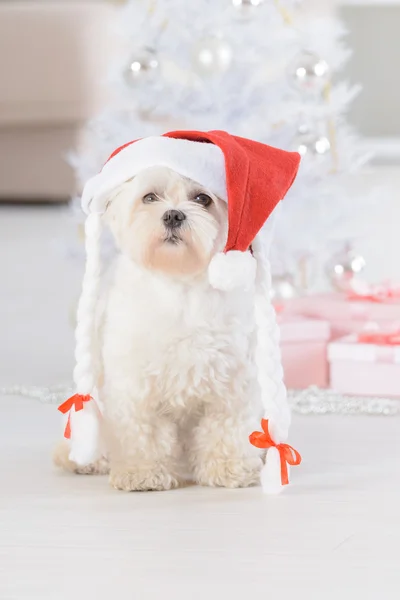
[(46, 395), (317, 401), (311, 401)]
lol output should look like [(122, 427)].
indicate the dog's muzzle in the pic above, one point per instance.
[(173, 219)]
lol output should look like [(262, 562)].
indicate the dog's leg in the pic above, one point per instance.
[(144, 453), (220, 453)]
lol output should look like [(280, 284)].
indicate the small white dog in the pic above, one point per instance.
[(182, 356), (176, 374)]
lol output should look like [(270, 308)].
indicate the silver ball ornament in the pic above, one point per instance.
[(310, 142), (309, 73), (246, 3), (246, 8), (344, 268), (212, 56), (143, 64), (283, 289)]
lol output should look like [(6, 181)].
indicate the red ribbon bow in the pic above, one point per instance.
[(375, 293), (288, 455), (380, 338), (77, 401)]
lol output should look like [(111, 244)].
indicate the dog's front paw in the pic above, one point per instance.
[(229, 473), (142, 478)]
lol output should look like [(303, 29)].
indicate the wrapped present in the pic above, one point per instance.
[(304, 351), (347, 313), (366, 364)]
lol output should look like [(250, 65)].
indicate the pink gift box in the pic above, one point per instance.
[(364, 369), (345, 316), (304, 351)]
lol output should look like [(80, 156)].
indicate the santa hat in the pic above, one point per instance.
[(252, 178)]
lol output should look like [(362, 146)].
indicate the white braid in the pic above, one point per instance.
[(85, 441), (269, 366), (268, 354), (84, 377)]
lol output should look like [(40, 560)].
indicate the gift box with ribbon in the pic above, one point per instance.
[(367, 363), (349, 313), (304, 351)]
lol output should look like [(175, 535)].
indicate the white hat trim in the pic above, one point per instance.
[(202, 162)]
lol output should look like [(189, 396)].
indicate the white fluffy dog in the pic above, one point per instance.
[(176, 374)]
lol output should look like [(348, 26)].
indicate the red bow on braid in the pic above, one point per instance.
[(77, 401), (288, 455)]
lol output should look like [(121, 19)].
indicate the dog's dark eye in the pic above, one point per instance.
[(203, 199), (148, 198)]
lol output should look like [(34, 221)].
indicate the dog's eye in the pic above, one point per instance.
[(203, 199), (148, 198)]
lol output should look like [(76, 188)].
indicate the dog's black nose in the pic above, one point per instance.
[(173, 218)]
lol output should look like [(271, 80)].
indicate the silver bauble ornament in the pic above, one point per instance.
[(246, 3), (246, 8), (308, 141), (212, 56), (283, 289), (343, 268), (143, 64), (309, 73)]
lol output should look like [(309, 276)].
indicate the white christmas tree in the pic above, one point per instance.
[(262, 69)]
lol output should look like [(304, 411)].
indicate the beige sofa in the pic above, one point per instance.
[(53, 55)]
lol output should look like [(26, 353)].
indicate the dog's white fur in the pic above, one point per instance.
[(176, 372)]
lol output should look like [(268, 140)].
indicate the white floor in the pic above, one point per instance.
[(335, 533)]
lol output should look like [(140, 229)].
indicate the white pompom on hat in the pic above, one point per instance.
[(252, 178)]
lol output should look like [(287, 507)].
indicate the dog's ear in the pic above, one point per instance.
[(116, 213)]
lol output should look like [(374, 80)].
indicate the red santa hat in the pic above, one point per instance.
[(252, 178)]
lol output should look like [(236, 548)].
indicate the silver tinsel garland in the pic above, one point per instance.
[(312, 401), (46, 395), (317, 401)]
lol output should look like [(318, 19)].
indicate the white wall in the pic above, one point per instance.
[(374, 38)]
